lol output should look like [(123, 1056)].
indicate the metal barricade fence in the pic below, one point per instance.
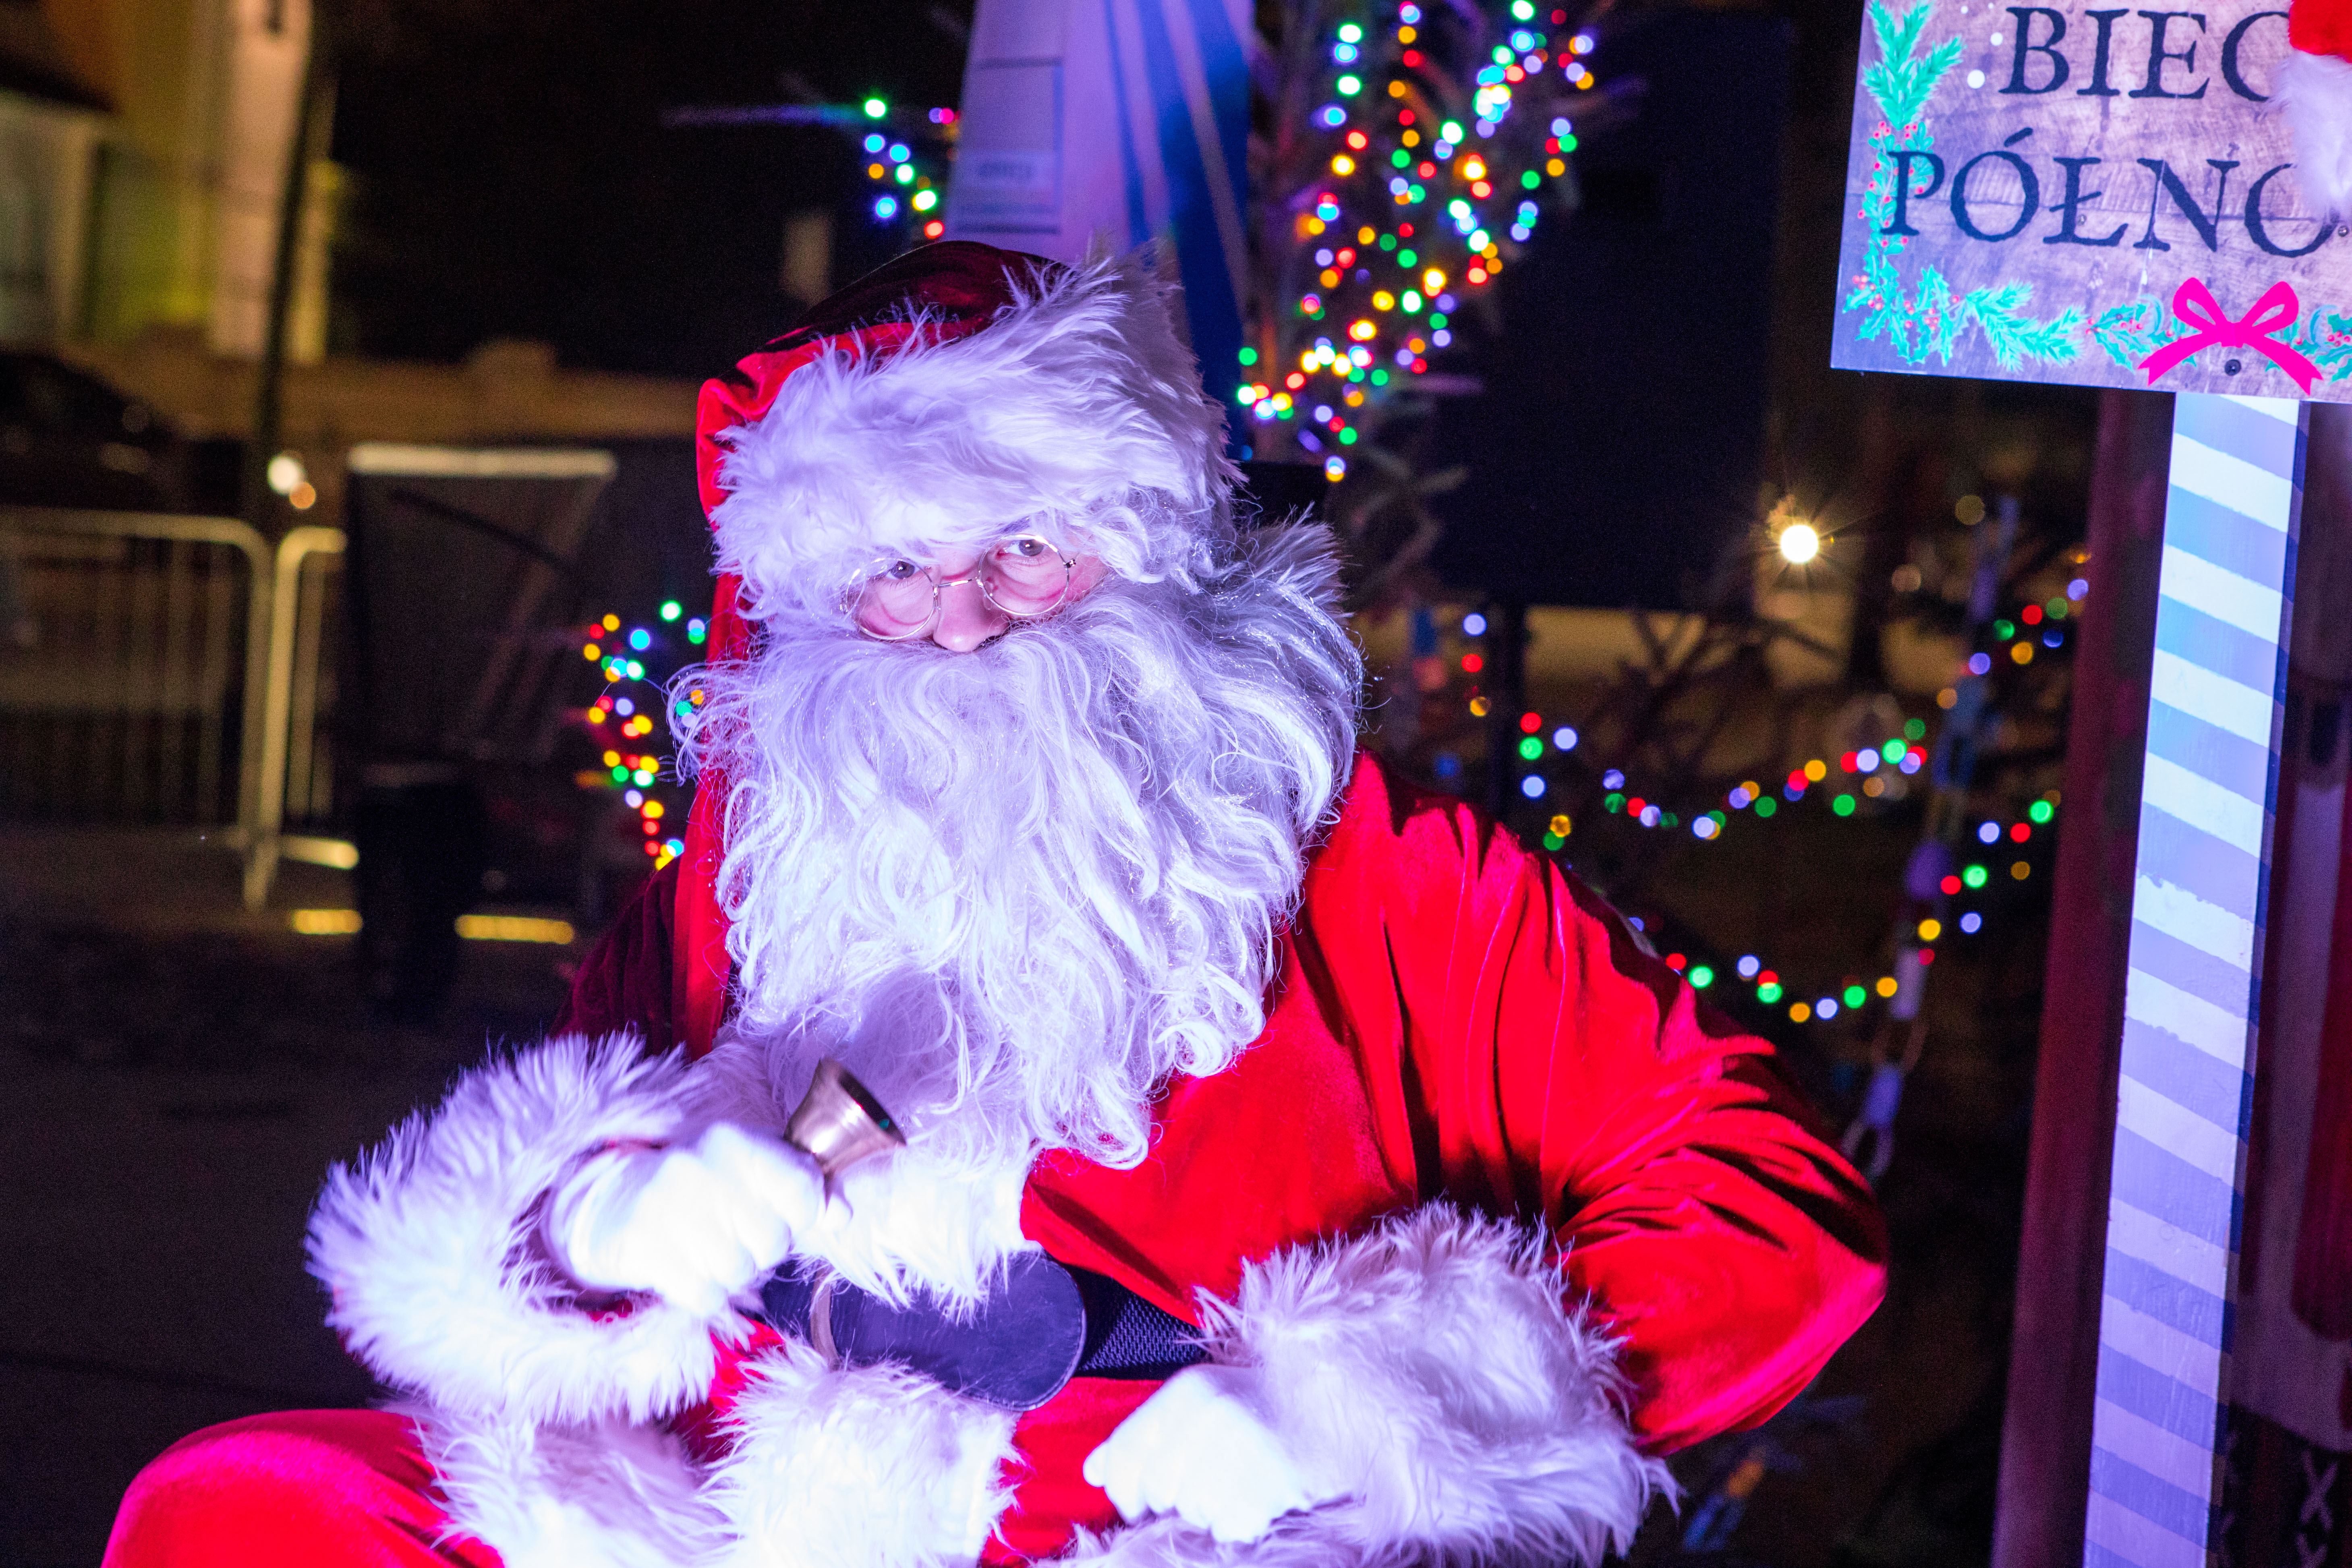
[(295, 768), (130, 648), (161, 670)]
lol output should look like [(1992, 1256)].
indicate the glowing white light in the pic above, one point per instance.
[(285, 472), (1798, 543), (1564, 738), (1532, 787)]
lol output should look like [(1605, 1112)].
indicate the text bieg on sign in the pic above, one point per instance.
[(2099, 196)]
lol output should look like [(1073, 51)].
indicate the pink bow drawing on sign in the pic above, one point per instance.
[(2194, 303)]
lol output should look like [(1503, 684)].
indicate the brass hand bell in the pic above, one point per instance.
[(839, 1121)]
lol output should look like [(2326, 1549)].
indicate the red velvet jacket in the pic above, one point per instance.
[(1455, 1020)]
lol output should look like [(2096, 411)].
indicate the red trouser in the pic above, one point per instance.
[(304, 1489)]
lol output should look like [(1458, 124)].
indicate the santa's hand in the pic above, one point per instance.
[(694, 1224), (1203, 1448)]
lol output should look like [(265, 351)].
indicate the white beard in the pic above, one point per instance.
[(1015, 889)]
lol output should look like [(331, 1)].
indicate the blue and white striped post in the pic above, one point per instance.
[(2185, 1095)]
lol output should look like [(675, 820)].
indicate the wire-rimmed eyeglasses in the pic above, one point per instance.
[(1025, 576)]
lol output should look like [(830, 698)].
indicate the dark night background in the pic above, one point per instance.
[(511, 177)]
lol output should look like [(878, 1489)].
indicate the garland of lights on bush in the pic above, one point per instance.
[(908, 175), (1846, 781), (623, 716), (904, 165), (1431, 151)]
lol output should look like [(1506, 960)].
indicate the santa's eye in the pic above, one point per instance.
[(899, 571), (1028, 547)]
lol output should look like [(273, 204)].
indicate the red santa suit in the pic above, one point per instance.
[(1499, 1212)]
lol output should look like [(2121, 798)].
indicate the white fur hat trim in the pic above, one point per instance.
[(1076, 412)]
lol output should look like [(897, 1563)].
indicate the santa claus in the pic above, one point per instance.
[(1413, 1209)]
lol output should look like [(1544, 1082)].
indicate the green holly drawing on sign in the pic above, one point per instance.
[(2131, 333), (2327, 342), (1928, 320)]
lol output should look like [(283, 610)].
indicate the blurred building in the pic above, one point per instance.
[(144, 184), (145, 150), (52, 125)]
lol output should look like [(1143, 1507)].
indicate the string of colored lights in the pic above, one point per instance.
[(1916, 954), (2043, 624), (1904, 753), (909, 173), (2019, 634), (623, 716), (1428, 176)]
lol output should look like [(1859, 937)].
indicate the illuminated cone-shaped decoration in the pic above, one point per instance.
[(2314, 86)]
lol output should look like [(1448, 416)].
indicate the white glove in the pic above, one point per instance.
[(1203, 1448), (695, 1224)]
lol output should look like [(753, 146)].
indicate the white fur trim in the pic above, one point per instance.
[(1166, 1541), (860, 1468), (608, 1496), (440, 1283), (915, 1221), (1431, 1371), (1075, 410), (2315, 93)]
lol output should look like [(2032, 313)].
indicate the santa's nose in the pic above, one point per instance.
[(966, 617)]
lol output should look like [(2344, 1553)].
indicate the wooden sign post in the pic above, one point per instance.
[(2104, 196)]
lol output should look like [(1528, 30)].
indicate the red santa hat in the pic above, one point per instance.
[(957, 392), (950, 395), (2314, 86)]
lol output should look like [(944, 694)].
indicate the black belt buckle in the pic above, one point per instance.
[(1040, 1325)]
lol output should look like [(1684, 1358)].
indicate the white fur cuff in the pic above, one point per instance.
[(860, 1468), (440, 1285), (1432, 1370), (608, 1496)]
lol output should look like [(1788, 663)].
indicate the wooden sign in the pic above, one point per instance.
[(2086, 193)]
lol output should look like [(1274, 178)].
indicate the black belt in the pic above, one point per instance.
[(1042, 1324)]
